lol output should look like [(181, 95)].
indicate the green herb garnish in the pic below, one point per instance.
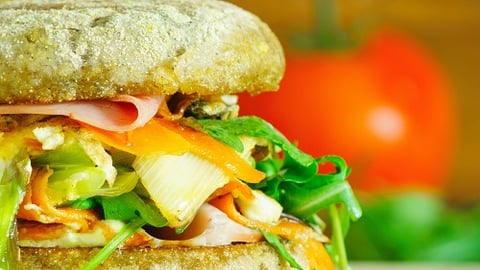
[(276, 242), (126, 207), (126, 232), (294, 180), (228, 131), (130, 206)]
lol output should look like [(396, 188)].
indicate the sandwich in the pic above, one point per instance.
[(121, 146)]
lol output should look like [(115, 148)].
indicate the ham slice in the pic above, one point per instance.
[(120, 114)]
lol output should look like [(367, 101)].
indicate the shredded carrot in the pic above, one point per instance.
[(227, 205), (36, 205), (235, 187), (318, 256), (32, 144), (164, 136)]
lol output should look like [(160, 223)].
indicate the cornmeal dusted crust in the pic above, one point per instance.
[(54, 51), (239, 257)]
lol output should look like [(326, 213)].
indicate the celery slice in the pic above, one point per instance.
[(14, 176), (125, 182), (78, 152), (178, 184), (75, 183), (83, 169), (65, 156), (86, 182)]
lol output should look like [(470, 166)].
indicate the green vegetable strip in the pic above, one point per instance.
[(276, 242), (306, 202), (130, 206), (10, 194), (126, 232), (337, 238), (66, 156), (14, 178)]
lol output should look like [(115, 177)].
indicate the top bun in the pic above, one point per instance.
[(55, 51)]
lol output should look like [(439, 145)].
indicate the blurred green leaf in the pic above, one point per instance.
[(415, 227)]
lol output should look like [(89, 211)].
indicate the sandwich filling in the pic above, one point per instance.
[(152, 171)]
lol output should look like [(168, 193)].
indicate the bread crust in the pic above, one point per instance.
[(55, 51), (238, 256)]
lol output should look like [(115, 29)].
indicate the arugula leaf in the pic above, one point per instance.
[(304, 198), (129, 206), (276, 242), (87, 203), (125, 233), (294, 181), (126, 207), (227, 131), (304, 203), (304, 192), (317, 191)]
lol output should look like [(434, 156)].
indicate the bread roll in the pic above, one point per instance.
[(55, 51), (239, 256)]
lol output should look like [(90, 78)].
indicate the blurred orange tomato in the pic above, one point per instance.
[(385, 107)]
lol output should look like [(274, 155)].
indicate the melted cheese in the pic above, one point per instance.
[(211, 227), (44, 235)]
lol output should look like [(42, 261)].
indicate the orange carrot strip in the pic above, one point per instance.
[(235, 187), (36, 205), (164, 136)]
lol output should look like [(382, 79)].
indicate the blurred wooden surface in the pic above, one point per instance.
[(449, 29)]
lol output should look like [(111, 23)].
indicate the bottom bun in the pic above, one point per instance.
[(237, 256)]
